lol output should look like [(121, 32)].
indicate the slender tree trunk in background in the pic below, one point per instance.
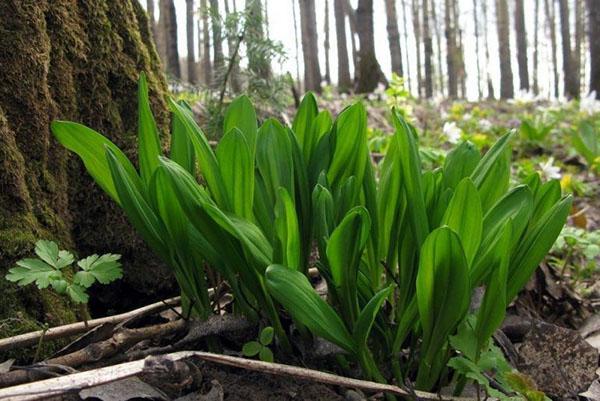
[(151, 17), (438, 40), (344, 79), (571, 88), (428, 51), (169, 29), (393, 36), (417, 31), (353, 33), (369, 71), (296, 41), (506, 75), (551, 21), (326, 44), (234, 75), (460, 54), (310, 46), (199, 66), (189, 26), (579, 38), (450, 50), (476, 25), (490, 85), (206, 64), (594, 33), (258, 65), (407, 61), (536, 56), (521, 45), (218, 58), (59, 61)]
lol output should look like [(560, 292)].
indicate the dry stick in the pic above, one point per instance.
[(27, 339), (78, 381)]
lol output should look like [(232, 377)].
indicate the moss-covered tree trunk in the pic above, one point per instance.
[(71, 60)]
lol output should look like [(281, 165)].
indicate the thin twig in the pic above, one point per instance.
[(230, 67)]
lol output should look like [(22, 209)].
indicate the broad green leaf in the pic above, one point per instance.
[(28, 271), (182, 150), (323, 212), (49, 253), (241, 115), (237, 169), (91, 147), (105, 268), (265, 354), (535, 244), (266, 335), (148, 138), (77, 294), (365, 320), (303, 123), (587, 142), (293, 290), (546, 196), (288, 232), (251, 348), (465, 217), (460, 163)]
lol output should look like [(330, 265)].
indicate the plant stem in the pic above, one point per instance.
[(40, 342), (84, 314)]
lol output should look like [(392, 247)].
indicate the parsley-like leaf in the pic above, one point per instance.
[(49, 253), (28, 271), (105, 269), (77, 294)]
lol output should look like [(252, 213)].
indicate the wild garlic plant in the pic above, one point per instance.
[(401, 249)]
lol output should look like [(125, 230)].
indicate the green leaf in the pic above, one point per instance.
[(77, 294), (241, 115), (148, 138), (293, 290), (265, 354), (182, 150), (49, 253), (587, 142), (545, 197), (492, 174), (303, 123), (237, 169), (365, 320), (91, 147), (288, 231), (28, 271), (266, 335), (465, 217), (460, 163), (105, 268), (60, 286), (251, 348)]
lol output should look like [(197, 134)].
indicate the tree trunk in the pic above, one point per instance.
[(206, 64), (369, 71), (393, 36), (189, 27), (168, 22), (428, 51), (59, 61), (460, 53), (344, 80), (536, 56), (407, 60), (450, 50), (551, 21), (579, 38), (310, 43), (234, 76), (594, 34), (296, 42), (353, 33), (506, 75), (151, 17), (326, 44), (490, 85), (258, 66), (521, 45), (476, 24), (438, 42), (218, 60), (417, 32), (571, 87)]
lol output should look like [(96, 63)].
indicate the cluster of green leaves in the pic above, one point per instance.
[(261, 347), (51, 266), (416, 241), (586, 140)]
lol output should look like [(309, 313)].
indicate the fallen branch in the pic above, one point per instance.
[(162, 364), (28, 339)]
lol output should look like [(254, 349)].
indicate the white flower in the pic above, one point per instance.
[(485, 125), (589, 104), (549, 170), (467, 116), (380, 88), (452, 132)]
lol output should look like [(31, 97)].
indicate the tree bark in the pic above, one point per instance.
[(438, 41), (490, 85), (417, 32), (451, 50), (218, 59), (536, 56), (206, 64), (60, 61), (460, 54), (259, 66), (326, 45), (234, 76), (579, 38), (168, 21), (407, 60), (506, 75), (521, 45), (344, 79), (353, 33), (393, 36), (476, 25), (571, 87), (369, 71), (151, 17), (594, 33), (189, 27), (428, 51), (551, 21), (310, 46)]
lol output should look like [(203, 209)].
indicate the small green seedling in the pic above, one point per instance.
[(260, 347), (49, 270)]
